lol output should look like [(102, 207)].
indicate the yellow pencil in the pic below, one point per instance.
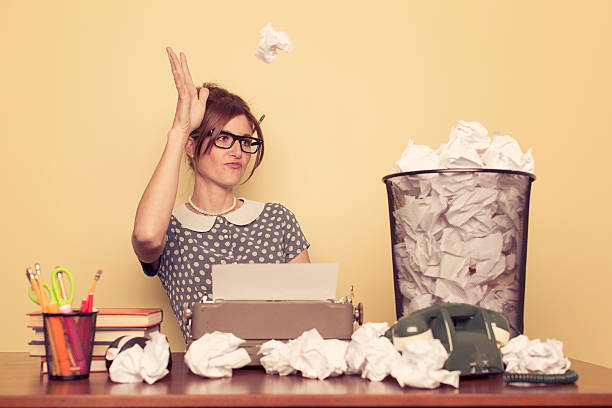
[(95, 281), (54, 360), (44, 300), (34, 284), (60, 283), (41, 296)]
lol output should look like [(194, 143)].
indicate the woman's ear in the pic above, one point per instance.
[(190, 147)]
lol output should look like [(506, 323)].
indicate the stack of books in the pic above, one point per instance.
[(111, 323)]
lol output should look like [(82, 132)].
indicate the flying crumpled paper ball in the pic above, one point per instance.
[(270, 42)]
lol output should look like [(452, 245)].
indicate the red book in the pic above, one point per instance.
[(113, 317)]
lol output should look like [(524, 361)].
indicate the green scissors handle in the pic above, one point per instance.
[(50, 294), (55, 293), (56, 287)]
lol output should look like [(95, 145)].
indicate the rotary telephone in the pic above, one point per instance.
[(471, 335)]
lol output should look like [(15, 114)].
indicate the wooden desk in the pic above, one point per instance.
[(21, 385)]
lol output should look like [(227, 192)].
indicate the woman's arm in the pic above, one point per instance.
[(155, 207), (302, 257)]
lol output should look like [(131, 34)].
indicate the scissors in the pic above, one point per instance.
[(57, 292)]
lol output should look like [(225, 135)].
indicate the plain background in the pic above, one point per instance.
[(87, 99)]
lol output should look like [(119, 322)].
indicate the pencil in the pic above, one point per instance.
[(60, 283), (95, 281), (54, 360), (35, 287), (261, 119), (33, 278), (57, 329), (57, 332), (42, 300)]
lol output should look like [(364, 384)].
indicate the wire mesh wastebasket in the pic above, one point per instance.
[(460, 236)]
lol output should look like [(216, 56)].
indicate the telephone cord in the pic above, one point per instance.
[(569, 377)]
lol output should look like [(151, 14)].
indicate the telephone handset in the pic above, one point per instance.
[(471, 335)]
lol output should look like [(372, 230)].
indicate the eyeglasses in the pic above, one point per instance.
[(225, 140)]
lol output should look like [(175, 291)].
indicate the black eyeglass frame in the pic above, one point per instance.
[(254, 141)]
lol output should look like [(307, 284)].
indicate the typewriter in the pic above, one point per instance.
[(261, 302)]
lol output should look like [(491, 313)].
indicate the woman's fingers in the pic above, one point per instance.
[(181, 117), (203, 96), (177, 73), (174, 63), (191, 105), (187, 75), (170, 57)]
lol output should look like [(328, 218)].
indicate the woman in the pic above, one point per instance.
[(217, 131)]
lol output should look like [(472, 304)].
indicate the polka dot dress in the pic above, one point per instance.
[(255, 233)]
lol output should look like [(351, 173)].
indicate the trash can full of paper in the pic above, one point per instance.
[(460, 236)]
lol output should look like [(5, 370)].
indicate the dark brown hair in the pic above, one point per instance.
[(221, 107)]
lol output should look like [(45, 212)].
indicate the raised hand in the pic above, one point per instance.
[(190, 106)]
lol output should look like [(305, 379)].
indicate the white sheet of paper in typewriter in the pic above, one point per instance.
[(299, 281)]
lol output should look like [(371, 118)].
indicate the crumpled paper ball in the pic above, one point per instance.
[(214, 355), (469, 146), (132, 359), (276, 358), (309, 354), (524, 356), (358, 347), (421, 365), (418, 364), (380, 358), (368, 354), (270, 41)]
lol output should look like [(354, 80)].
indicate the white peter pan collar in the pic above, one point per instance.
[(244, 215)]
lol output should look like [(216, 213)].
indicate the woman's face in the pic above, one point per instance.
[(225, 167)]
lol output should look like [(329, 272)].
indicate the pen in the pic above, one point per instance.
[(86, 325), (74, 339), (82, 325), (90, 302), (83, 305)]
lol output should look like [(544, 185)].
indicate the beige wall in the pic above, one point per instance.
[(88, 96)]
